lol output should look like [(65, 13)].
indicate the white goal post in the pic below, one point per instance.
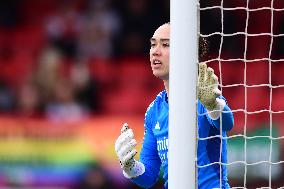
[(182, 98), (247, 38)]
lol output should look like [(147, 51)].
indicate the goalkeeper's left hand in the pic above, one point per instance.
[(207, 87), (125, 150)]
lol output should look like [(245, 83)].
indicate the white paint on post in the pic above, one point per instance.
[(182, 98)]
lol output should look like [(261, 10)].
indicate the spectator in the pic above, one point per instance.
[(9, 14), (96, 178), (62, 106), (28, 100), (7, 98), (47, 72), (62, 28), (85, 86), (100, 25)]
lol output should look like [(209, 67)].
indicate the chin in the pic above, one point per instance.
[(161, 76), (156, 74)]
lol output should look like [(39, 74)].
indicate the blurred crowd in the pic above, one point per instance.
[(47, 47), (70, 59), (62, 58)]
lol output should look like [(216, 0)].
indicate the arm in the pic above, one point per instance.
[(209, 96), (214, 117), (149, 157), (144, 172)]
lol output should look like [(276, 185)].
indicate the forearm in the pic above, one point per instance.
[(226, 118), (147, 179), (151, 161)]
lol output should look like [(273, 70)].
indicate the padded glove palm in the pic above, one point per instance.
[(207, 87)]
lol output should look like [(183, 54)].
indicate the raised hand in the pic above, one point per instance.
[(207, 87)]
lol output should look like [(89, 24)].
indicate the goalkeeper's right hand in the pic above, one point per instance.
[(208, 87), (125, 150)]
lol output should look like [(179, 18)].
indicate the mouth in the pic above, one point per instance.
[(156, 62)]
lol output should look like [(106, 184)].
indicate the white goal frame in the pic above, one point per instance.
[(182, 98)]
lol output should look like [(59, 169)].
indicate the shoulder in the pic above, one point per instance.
[(158, 100), (154, 106)]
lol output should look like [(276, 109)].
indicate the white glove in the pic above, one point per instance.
[(208, 91), (125, 150)]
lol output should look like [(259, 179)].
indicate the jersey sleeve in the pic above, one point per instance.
[(149, 156), (227, 118)]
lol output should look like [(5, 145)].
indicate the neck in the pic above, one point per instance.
[(166, 84)]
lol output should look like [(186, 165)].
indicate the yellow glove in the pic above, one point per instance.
[(207, 87)]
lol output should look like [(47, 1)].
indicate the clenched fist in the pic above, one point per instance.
[(125, 150)]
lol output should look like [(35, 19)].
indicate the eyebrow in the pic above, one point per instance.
[(162, 39)]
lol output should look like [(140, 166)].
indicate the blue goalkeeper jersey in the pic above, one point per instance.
[(154, 153)]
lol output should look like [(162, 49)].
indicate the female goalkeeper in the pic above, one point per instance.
[(154, 153)]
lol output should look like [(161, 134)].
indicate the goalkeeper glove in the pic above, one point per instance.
[(125, 150), (208, 91)]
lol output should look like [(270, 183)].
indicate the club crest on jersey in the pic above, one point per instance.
[(157, 126)]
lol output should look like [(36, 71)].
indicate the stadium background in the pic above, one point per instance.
[(72, 71)]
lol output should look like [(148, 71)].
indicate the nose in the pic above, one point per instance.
[(156, 51)]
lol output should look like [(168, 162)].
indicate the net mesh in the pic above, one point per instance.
[(246, 51)]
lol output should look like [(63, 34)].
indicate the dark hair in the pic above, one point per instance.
[(203, 47)]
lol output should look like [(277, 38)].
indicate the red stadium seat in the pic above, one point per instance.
[(257, 73), (277, 70), (125, 101)]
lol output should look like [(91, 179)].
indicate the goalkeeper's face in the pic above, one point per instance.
[(159, 52)]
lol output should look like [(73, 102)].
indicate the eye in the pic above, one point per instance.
[(166, 44), (152, 45)]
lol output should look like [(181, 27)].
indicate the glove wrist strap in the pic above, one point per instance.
[(136, 170), (216, 113)]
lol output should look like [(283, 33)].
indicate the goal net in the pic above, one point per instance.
[(246, 51)]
